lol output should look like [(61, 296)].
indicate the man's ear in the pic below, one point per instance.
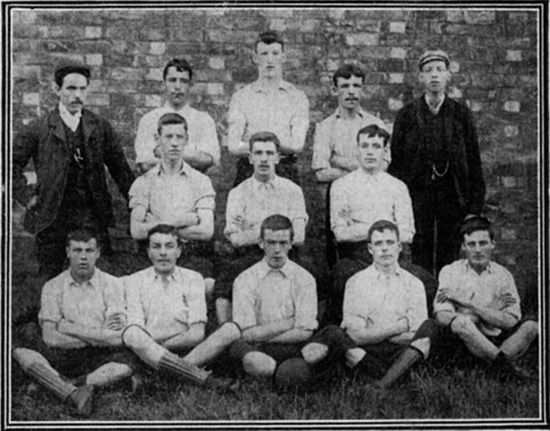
[(370, 248), (334, 90)]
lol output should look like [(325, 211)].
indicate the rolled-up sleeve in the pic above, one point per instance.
[(50, 304), (445, 282), (404, 216), (139, 194), (196, 301), (135, 312), (321, 146), (244, 313), (353, 309), (306, 303)]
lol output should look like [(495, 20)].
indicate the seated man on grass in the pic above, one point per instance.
[(167, 315), (275, 304), (82, 315), (174, 193), (478, 303), (385, 328)]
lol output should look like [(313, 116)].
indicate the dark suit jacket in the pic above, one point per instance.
[(410, 160), (45, 143)]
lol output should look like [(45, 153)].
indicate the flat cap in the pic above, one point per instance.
[(66, 66), (436, 55)]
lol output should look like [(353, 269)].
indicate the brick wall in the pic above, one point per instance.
[(494, 65)]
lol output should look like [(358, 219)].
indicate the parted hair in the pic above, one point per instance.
[(277, 222), (475, 223), (264, 137), (171, 118), (374, 130), (166, 229), (346, 71), (181, 65), (82, 235), (269, 37), (381, 226)]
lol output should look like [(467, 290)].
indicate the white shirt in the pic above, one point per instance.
[(373, 299), (262, 295), (370, 198), (201, 132)]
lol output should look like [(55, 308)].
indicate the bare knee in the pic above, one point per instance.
[(230, 332), (530, 328), (463, 326), (134, 336), (259, 364)]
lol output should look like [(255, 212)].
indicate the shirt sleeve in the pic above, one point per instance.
[(446, 281), (209, 138), (509, 288), (145, 139), (244, 313), (353, 309), (50, 303), (139, 193), (299, 123), (206, 196), (113, 295), (298, 206), (233, 209), (135, 312), (417, 311), (306, 302), (404, 217), (196, 301), (338, 202), (236, 120), (322, 150)]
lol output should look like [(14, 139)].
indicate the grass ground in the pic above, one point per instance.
[(435, 391)]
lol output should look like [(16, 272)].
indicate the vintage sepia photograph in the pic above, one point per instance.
[(236, 215)]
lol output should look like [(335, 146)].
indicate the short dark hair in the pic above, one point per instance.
[(476, 223), (374, 130), (171, 118), (346, 71), (277, 222), (165, 229), (381, 226), (269, 37), (181, 65), (82, 235), (264, 137)]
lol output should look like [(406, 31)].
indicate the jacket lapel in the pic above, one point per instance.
[(56, 124)]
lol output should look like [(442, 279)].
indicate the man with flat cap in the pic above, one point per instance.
[(70, 147), (435, 152)]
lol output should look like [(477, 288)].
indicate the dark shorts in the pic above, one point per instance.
[(72, 362)]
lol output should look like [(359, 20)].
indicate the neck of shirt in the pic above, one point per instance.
[(348, 114), (172, 168), (389, 271), (81, 280)]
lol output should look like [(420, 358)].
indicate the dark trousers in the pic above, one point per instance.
[(286, 168), (438, 218), (51, 243), (72, 362)]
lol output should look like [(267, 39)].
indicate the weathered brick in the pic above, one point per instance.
[(479, 17), (399, 53), (368, 39), (98, 99), (94, 59), (32, 99), (398, 27), (395, 78), (512, 106), (513, 55), (92, 32), (157, 48)]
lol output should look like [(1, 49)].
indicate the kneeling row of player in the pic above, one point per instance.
[(92, 322)]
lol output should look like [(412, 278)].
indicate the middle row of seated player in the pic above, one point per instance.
[(174, 193)]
